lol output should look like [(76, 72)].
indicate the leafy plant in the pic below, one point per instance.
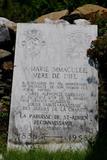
[(98, 53), (28, 10)]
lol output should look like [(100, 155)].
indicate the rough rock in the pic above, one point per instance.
[(4, 33), (11, 25), (5, 42), (91, 12), (4, 54), (49, 21), (7, 38), (52, 16), (81, 22)]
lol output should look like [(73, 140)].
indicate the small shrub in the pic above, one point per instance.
[(98, 53)]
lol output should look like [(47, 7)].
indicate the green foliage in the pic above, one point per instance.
[(4, 113), (3, 139), (45, 6), (99, 150), (7, 8), (28, 10), (102, 25), (38, 154), (98, 53), (98, 49), (72, 4)]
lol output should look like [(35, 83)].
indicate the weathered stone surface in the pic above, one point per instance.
[(91, 12), (54, 101), (4, 54), (52, 16)]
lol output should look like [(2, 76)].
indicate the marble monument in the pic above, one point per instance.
[(54, 102)]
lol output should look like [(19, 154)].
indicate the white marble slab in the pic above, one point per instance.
[(55, 91)]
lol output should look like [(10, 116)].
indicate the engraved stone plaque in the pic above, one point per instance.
[(54, 101)]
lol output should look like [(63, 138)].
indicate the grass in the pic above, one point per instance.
[(38, 154), (44, 155), (96, 151)]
